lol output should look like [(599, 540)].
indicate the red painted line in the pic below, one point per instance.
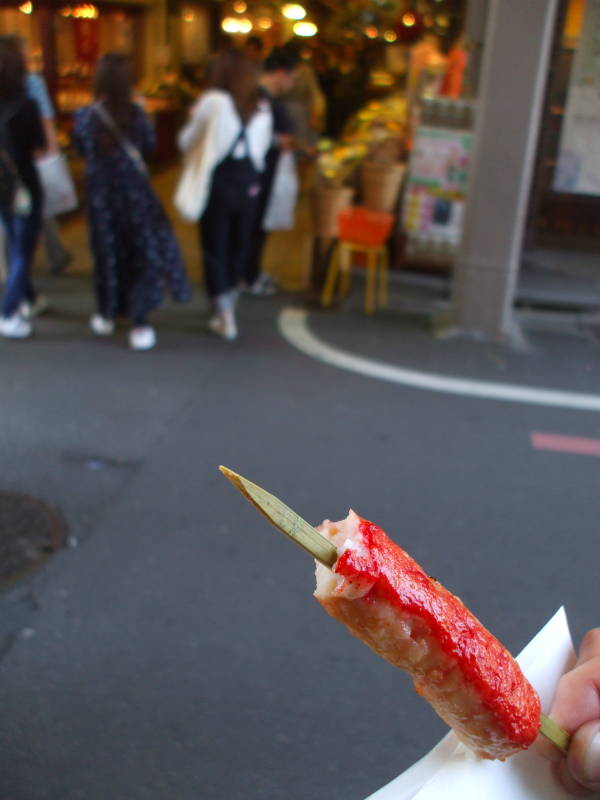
[(566, 444)]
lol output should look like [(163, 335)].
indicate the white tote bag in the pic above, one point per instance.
[(281, 206), (59, 189), (193, 187)]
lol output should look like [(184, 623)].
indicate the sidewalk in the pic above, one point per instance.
[(552, 280)]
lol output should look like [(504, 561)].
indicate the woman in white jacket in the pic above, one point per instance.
[(226, 140)]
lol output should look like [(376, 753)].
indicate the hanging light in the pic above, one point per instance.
[(26, 8), (240, 6), (293, 11), (245, 25), (265, 23), (371, 32), (408, 19), (305, 29), (390, 36), (230, 25)]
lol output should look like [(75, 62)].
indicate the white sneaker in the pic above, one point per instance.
[(102, 326), (39, 306), (224, 327), (142, 338), (15, 327)]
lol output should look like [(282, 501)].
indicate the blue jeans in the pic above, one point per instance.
[(22, 235)]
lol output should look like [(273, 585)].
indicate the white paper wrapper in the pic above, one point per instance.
[(452, 772)]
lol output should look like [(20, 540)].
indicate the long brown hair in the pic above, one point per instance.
[(114, 86), (234, 72), (12, 66)]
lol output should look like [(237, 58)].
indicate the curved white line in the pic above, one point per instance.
[(293, 327)]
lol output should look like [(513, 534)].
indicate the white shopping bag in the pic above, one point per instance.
[(59, 189), (281, 206)]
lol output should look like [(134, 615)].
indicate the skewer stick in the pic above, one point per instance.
[(282, 517), (310, 540)]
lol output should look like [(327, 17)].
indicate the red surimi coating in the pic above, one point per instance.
[(388, 601)]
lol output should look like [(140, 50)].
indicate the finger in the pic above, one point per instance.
[(590, 646), (577, 699), (583, 758), (564, 777)]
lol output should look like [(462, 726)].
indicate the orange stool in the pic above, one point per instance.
[(361, 231)]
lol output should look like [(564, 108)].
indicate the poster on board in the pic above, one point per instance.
[(434, 198), (578, 165)]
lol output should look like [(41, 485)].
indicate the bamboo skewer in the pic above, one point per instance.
[(316, 545)]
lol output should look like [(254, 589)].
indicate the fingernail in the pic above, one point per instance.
[(591, 761)]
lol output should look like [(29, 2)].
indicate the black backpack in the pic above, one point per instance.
[(10, 180)]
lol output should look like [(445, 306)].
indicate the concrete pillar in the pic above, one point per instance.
[(514, 68)]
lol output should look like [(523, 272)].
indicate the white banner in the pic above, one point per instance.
[(578, 166)]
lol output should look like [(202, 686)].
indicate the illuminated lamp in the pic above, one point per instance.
[(230, 25), (240, 7), (26, 8), (189, 16), (66, 11), (371, 32), (410, 27), (293, 11), (305, 29), (265, 24), (390, 36), (245, 25)]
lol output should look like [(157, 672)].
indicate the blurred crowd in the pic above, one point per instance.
[(251, 108), (254, 118)]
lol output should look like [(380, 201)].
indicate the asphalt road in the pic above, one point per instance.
[(175, 651)]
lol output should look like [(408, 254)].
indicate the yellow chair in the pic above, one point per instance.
[(361, 231)]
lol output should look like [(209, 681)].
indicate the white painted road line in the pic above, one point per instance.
[(294, 328)]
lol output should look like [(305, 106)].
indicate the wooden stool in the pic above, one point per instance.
[(361, 231)]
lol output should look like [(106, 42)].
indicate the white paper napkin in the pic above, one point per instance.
[(454, 773)]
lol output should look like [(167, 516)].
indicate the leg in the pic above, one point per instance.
[(216, 228), (215, 235), (244, 222), (371, 269), (332, 272), (345, 267), (383, 276), (57, 255), (22, 235)]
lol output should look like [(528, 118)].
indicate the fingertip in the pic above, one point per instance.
[(563, 775), (583, 758)]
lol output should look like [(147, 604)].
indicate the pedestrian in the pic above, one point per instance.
[(57, 255), (305, 103), (279, 74), (229, 130), (21, 197), (136, 255)]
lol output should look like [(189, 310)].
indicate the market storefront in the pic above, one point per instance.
[(65, 40)]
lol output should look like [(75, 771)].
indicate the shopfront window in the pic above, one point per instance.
[(565, 201)]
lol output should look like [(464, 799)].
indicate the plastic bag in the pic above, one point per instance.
[(281, 206), (59, 189)]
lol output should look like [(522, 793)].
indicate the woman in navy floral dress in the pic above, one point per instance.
[(135, 251)]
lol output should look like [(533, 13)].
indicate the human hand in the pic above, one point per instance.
[(576, 708)]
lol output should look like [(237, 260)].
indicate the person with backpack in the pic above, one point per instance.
[(225, 140), (21, 198), (136, 254)]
